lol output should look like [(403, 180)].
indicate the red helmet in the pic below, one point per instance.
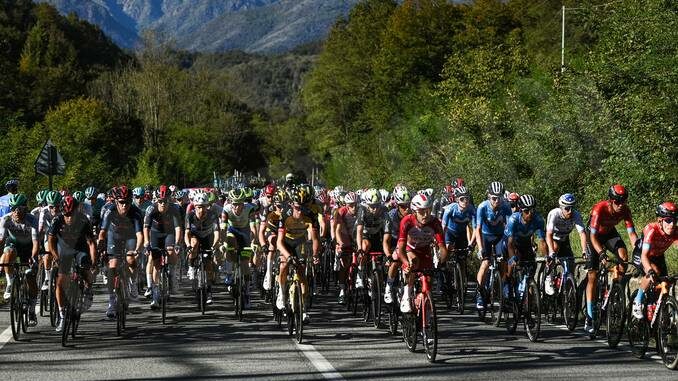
[(667, 209), (162, 193), (322, 197), (458, 182), (618, 193), (122, 193), (68, 204), (270, 190)]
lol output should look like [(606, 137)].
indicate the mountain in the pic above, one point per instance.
[(263, 26)]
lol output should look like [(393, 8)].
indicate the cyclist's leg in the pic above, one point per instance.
[(64, 271), (618, 247), (592, 266), (47, 266), (8, 256), (172, 262), (132, 270), (115, 255)]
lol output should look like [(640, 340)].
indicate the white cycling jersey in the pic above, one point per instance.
[(561, 227)]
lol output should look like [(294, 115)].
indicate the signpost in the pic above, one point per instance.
[(49, 162)]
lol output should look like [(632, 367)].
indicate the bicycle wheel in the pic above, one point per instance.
[(164, 286), (375, 285), (615, 315), (23, 298), (120, 305), (459, 288), (638, 331), (532, 310), (392, 319), (42, 293), (354, 300), (429, 328), (238, 291), (598, 310), (289, 309), (667, 333), (570, 305), (409, 324), (15, 311), (53, 309), (68, 321), (202, 288), (298, 313), (497, 301)]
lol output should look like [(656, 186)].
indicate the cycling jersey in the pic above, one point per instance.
[(656, 241), (121, 230), (456, 220), (492, 221), (313, 211), (162, 223), (522, 232), (19, 234), (72, 237), (272, 220), (419, 237), (4, 204), (201, 228), (604, 218), (242, 220), (372, 223), (561, 227), (347, 221), (392, 223), (294, 229)]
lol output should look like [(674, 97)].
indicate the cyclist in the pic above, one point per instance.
[(40, 203), (513, 198), (370, 231), (19, 235), (603, 236), (239, 218), (417, 233), (446, 198), (121, 237), (344, 234), (201, 230), (402, 199), (657, 238), (268, 233), (293, 233), (71, 239), (12, 188), (162, 229), (47, 214), (491, 216), (516, 243), (80, 198), (140, 200), (459, 221), (95, 203), (559, 223)]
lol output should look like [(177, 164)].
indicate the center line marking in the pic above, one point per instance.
[(319, 362)]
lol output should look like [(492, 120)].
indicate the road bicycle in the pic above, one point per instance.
[(422, 321), (523, 302)]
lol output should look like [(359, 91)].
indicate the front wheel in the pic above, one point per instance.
[(429, 329), (409, 327), (460, 288), (15, 311), (375, 285), (164, 286), (667, 334), (68, 321), (532, 311), (638, 332), (615, 315), (298, 314), (51, 295), (570, 305)]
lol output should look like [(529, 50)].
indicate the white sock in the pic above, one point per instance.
[(149, 280)]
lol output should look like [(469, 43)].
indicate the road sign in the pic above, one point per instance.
[(49, 162)]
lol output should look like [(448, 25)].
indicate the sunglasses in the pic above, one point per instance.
[(18, 209), (463, 199), (494, 198), (123, 202), (618, 202), (526, 210), (566, 208), (162, 201), (669, 220)]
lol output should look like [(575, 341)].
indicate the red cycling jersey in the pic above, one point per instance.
[(656, 240), (604, 219), (418, 237)]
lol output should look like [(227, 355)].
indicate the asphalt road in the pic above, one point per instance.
[(337, 345)]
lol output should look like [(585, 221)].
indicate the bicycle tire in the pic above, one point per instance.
[(616, 315), (202, 296), (496, 300), (532, 311), (298, 314), (598, 310), (53, 310), (289, 311), (15, 311), (638, 332), (163, 293), (23, 297), (67, 325), (393, 319), (667, 333), (375, 284), (239, 299), (429, 329), (409, 327), (460, 288), (570, 305), (354, 299), (119, 311)]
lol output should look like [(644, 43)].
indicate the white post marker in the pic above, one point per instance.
[(319, 362)]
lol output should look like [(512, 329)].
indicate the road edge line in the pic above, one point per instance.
[(319, 362)]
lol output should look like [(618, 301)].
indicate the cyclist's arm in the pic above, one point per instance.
[(478, 232), (338, 227), (280, 244), (147, 236), (549, 241), (177, 235), (52, 246), (314, 240), (261, 236), (644, 254), (359, 236)]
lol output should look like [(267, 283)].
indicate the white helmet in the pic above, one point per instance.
[(428, 192), (421, 201), (200, 198), (350, 198), (401, 195), (371, 197), (385, 196)]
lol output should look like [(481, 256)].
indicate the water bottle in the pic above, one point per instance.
[(650, 311), (521, 287)]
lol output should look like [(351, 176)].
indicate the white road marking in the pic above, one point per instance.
[(5, 336), (319, 362)]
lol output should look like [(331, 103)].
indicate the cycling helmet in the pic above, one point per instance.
[(12, 185), (162, 193), (211, 197), (339, 189), (40, 196), (458, 182), (90, 192), (667, 209), (401, 195), (461, 191), (307, 190), (350, 198), (322, 197), (79, 196), (138, 192), (495, 189), (270, 189), (17, 200), (448, 190), (299, 197), (248, 192), (527, 202), (200, 199), (385, 196), (69, 204), (372, 197), (428, 192), (237, 195), (617, 193), (53, 198), (122, 193), (179, 194), (421, 201), (172, 188), (567, 200)]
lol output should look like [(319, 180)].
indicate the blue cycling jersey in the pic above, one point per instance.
[(522, 232), (492, 221), (456, 220)]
